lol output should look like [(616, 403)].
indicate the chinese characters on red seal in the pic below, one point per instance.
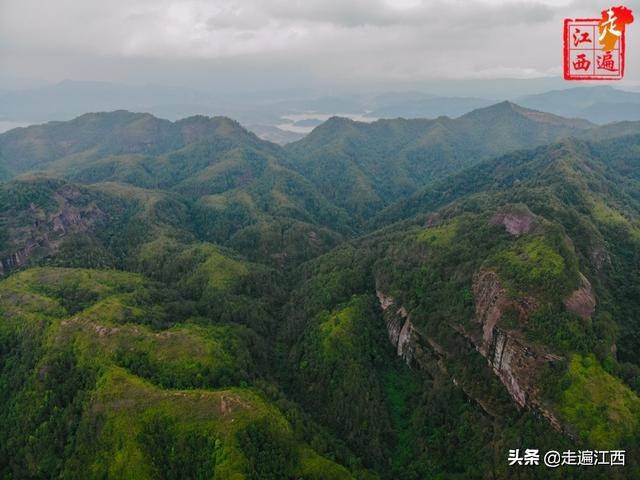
[(594, 48)]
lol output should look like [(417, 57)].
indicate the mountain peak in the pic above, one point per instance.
[(334, 125), (337, 120), (507, 104), (500, 107), (201, 127), (506, 110)]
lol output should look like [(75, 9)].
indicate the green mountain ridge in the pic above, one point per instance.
[(226, 175), (405, 299), (549, 236), (365, 167)]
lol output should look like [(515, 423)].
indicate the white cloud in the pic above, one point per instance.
[(333, 38)]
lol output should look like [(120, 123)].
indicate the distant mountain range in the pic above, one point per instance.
[(364, 166), (336, 178), (267, 116), (424, 106), (68, 99), (599, 105)]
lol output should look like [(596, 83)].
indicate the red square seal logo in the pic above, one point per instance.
[(594, 48)]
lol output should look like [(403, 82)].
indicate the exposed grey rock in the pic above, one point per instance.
[(514, 360), (582, 301), (46, 233), (420, 350), (600, 258), (516, 221), (399, 327)]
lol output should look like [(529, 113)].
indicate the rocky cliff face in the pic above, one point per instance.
[(516, 220), (19, 258), (44, 233), (582, 301), (402, 333), (514, 360), (600, 258), (419, 350)]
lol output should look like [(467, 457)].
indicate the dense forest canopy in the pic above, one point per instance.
[(405, 299)]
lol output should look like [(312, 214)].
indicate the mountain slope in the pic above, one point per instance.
[(510, 170), (239, 188), (157, 313), (515, 281), (105, 395), (93, 136), (363, 167)]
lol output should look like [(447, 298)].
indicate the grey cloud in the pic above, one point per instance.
[(346, 40), (357, 13)]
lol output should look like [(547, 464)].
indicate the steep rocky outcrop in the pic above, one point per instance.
[(509, 357), (419, 350), (516, 221), (45, 232), (600, 258), (582, 301), (19, 258), (401, 331), (513, 359)]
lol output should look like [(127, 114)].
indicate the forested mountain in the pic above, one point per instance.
[(237, 186), (364, 167), (125, 142), (406, 299), (527, 263)]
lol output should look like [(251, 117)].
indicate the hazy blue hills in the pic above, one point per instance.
[(69, 98), (597, 104), (421, 106)]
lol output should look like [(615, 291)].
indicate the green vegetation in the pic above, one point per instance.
[(261, 206), (440, 236), (534, 263), (603, 410), (184, 300), (105, 394), (365, 167), (340, 352)]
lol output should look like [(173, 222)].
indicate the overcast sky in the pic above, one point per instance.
[(267, 43)]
